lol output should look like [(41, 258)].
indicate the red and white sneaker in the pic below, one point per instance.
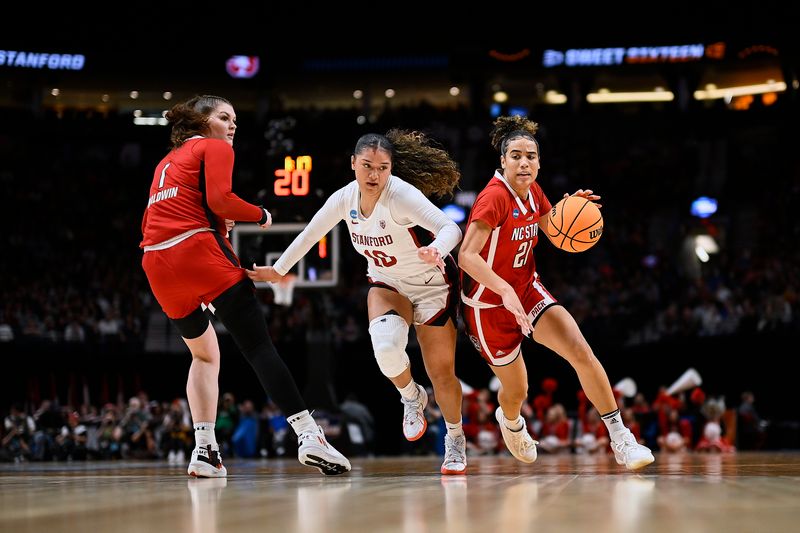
[(414, 423), (455, 456)]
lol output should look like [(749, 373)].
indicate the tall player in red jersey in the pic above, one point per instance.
[(191, 265), (504, 298)]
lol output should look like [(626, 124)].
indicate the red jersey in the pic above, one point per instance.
[(191, 189), (509, 249)]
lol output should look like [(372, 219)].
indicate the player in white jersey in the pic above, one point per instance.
[(413, 279)]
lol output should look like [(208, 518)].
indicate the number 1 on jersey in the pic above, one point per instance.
[(163, 175)]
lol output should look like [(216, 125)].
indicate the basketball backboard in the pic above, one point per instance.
[(319, 267)]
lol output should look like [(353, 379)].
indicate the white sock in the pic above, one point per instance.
[(410, 391), (302, 422), (514, 425), (613, 421), (204, 434), (454, 430)]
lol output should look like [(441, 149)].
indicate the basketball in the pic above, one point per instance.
[(575, 224)]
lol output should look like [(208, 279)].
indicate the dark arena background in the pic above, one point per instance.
[(687, 127)]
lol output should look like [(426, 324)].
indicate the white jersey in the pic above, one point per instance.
[(387, 238)]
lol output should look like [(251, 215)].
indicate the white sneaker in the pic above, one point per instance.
[(628, 452), (455, 455), (414, 423), (206, 462), (519, 443), (314, 450)]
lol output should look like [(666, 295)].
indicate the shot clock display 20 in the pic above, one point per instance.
[(293, 178)]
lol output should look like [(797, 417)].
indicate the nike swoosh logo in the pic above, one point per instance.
[(428, 280)]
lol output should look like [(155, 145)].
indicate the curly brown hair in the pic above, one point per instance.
[(190, 118), (429, 169), (507, 129)]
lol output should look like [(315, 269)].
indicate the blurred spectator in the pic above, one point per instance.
[(177, 433), (483, 434), (138, 438), (275, 430), (74, 332), (676, 433), (6, 331), (227, 420), (713, 439), (556, 434), (363, 436), (48, 425), (109, 435), (18, 438), (479, 401), (751, 430), (593, 435), (71, 442), (245, 437)]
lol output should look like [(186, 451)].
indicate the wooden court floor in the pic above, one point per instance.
[(748, 492)]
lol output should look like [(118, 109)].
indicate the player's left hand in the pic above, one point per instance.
[(268, 223), (229, 224), (588, 194), (432, 256)]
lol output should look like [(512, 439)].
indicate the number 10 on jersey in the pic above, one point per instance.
[(293, 179)]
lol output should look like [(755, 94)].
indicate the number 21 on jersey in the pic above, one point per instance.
[(523, 253)]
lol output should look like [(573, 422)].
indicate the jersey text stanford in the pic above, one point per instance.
[(366, 240)]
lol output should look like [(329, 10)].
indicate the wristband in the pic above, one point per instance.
[(264, 217)]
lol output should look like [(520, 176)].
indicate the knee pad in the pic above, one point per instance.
[(389, 334)]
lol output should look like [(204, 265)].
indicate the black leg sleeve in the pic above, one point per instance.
[(239, 311)]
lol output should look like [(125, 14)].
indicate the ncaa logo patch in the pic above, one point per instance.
[(515, 213), (353, 213)]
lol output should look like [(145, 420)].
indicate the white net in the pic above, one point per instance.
[(284, 290)]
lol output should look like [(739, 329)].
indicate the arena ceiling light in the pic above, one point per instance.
[(555, 97), (604, 96), (712, 92)]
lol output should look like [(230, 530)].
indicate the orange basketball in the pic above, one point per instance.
[(575, 224)]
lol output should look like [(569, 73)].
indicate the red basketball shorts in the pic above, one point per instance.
[(494, 331), (192, 272)]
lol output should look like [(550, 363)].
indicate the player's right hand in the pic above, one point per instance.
[(432, 256), (588, 194), (265, 273), (512, 303)]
